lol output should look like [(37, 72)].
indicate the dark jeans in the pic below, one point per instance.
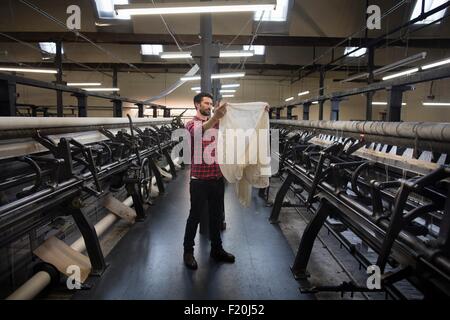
[(202, 191)]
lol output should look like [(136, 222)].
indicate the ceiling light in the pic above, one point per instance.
[(231, 85), (228, 75), (215, 76), (436, 64), (190, 78), (384, 103), (80, 84), (101, 89), (315, 102), (32, 70), (436, 104), (228, 96), (196, 88), (289, 99), (175, 55), (227, 91), (236, 54), (303, 93), (358, 76), (194, 7), (403, 73), (400, 63)]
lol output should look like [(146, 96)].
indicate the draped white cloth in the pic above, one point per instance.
[(243, 148)]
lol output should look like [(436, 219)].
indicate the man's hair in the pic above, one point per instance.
[(198, 98)]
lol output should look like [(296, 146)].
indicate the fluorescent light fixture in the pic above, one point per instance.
[(194, 7), (151, 49), (436, 104), (49, 47), (175, 55), (231, 85), (227, 91), (258, 50), (101, 24), (228, 96), (81, 84), (303, 93), (315, 102), (196, 88), (198, 91), (384, 103), (400, 74), (31, 70), (358, 53), (236, 54), (403, 62), (215, 76), (357, 76), (436, 64), (101, 89), (190, 78), (429, 5), (105, 9), (228, 75), (289, 99), (277, 14)]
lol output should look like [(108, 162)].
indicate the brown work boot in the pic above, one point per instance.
[(220, 255), (189, 260)]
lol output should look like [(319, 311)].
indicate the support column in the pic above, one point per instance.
[(155, 112), (321, 92), (7, 98), (166, 113), (369, 95), (306, 110), (117, 108), (395, 98), (335, 109), (115, 81), (140, 110), (289, 112), (205, 59), (58, 65), (278, 113), (82, 104), (216, 82)]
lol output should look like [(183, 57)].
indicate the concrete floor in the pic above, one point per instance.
[(147, 262)]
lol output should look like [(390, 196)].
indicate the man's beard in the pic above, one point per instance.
[(205, 113)]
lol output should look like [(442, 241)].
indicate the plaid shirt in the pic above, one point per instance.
[(203, 166)]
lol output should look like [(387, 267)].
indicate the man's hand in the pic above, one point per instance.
[(220, 111)]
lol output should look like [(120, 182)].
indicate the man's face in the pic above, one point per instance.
[(204, 107)]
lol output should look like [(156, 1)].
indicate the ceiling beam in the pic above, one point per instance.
[(189, 39), (69, 66)]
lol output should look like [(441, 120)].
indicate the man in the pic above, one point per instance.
[(207, 182)]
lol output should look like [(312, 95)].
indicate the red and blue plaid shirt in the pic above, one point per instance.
[(203, 165)]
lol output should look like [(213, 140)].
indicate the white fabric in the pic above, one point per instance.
[(249, 168)]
